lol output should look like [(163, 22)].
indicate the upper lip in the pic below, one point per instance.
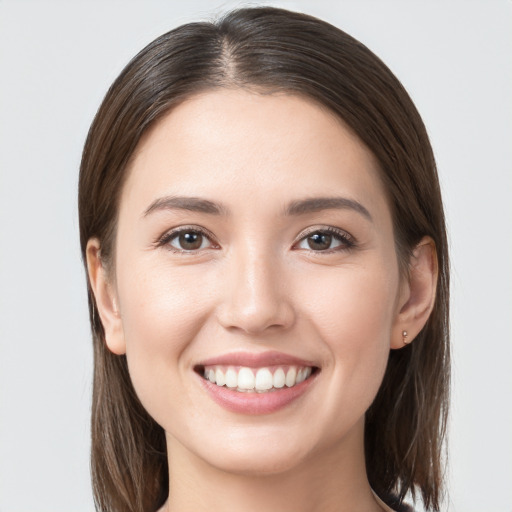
[(256, 360)]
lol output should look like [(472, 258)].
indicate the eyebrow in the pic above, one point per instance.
[(193, 204), (317, 204), (295, 208)]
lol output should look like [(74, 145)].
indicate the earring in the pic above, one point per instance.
[(404, 337)]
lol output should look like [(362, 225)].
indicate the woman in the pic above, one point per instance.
[(268, 279)]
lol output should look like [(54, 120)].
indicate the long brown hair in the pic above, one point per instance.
[(273, 50)]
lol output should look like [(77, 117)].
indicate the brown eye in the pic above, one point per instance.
[(326, 240), (319, 241), (188, 240)]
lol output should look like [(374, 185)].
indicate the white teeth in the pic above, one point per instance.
[(291, 374), (231, 378), (260, 380), (279, 378), (263, 379), (303, 374), (219, 377), (246, 379)]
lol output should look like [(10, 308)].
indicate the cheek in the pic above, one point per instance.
[(353, 307), (163, 305), (353, 313), (162, 312)]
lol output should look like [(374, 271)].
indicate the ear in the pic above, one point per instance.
[(106, 300), (417, 295)]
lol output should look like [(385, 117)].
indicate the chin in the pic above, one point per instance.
[(256, 463), (254, 453)]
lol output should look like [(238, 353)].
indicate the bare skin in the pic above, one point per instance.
[(318, 284)]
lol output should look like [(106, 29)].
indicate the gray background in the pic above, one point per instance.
[(57, 60)]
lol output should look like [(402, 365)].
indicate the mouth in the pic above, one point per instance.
[(256, 383), (265, 379)]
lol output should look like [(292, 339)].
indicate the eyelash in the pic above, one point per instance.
[(171, 235), (346, 240)]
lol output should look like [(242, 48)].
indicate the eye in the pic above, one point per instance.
[(186, 239), (326, 240)]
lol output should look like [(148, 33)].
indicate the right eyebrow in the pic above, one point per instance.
[(194, 204)]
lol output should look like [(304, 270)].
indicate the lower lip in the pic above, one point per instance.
[(256, 403)]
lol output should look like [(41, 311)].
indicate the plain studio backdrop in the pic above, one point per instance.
[(57, 60)]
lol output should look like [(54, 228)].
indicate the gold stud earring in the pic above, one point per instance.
[(404, 337)]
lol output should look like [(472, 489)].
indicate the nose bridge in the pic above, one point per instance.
[(255, 297)]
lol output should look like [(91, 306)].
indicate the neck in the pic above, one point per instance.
[(334, 481)]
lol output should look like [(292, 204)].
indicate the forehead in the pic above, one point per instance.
[(262, 146)]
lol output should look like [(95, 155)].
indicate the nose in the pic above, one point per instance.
[(256, 299)]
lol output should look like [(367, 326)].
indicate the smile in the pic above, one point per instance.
[(256, 380), (263, 383)]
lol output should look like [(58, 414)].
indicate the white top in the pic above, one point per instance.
[(381, 503)]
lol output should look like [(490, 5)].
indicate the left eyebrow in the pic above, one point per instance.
[(318, 204)]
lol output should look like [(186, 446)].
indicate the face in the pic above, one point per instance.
[(256, 280)]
